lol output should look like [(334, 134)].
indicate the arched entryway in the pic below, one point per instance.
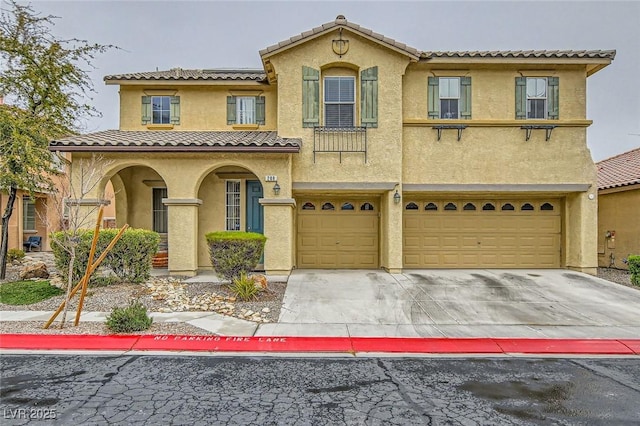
[(230, 202)]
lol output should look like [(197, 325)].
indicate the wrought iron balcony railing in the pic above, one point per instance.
[(340, 139)]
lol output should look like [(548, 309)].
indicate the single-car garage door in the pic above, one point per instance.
[(517, 233), (337, 233)]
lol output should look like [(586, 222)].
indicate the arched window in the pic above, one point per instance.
[(450, 206), (488, 207), (411, 206), (526, 206), (508, 207), (546, 207), (469, 206), (431, 206), (347, 206), (367, 206), (308, 206), (328, 206)]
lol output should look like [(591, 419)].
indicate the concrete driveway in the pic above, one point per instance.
[(457, 303)]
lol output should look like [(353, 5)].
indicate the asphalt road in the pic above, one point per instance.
[(213, 390)]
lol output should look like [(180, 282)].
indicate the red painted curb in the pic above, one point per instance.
[(634, 345), (286, 344), (243, 344), (564, 346), (425, 345), (68, 342)]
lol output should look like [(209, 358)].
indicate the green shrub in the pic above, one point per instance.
[(634, 268), (132, 318), (27, 292), (244, 288), (233, 253), (130, 259), (14, 254)]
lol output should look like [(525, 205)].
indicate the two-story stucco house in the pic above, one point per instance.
[(352, 150)]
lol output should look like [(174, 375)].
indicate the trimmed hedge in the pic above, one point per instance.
[(130, 259), (634, 268), (234, 253)]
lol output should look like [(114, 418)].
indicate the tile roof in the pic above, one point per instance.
[(579, 54), (177, 141), (341, 22), (173, 74), (621, 170)]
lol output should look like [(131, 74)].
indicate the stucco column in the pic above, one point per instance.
[(391, 247), (182, 235), (278, 228), (581, 232)]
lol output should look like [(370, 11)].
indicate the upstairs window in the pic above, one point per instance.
[(161, 110), (245, 110), (339, 101), (449, 98), (537, 98)]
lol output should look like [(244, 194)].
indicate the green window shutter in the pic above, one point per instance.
[(465, 98), (369, 97), (174, 110), (310, 97), (260, 111), (521, 98), (553, 98), (146, 110), (231, 110), (434, 97)]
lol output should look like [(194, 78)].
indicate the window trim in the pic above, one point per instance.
[(545, 113), (458, 98), (153, 110), (239, 110)]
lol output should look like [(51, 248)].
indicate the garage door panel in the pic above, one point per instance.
[(493, 238), (341, 239)]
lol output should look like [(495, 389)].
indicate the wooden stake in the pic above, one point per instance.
[(87, 274), (93, 268)]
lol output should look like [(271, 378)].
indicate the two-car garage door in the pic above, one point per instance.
[(518, 233)]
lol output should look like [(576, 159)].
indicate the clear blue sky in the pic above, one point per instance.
[(216, 34)]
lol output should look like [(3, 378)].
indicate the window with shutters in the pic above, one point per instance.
[(245, 110), (537, 98), (339, 101), (161, 109), (449, 98)]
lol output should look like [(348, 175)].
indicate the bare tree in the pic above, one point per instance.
[(76, 212)]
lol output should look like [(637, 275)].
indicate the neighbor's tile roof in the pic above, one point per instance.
[(182, 74), (590, 54), (341, 21), (621, 170), (177, 141)]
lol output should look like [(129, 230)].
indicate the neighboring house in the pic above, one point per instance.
[(352, 150), (619, 209), (34, 215)]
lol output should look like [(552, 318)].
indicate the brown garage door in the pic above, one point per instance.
[(519, 233), (337, 233)]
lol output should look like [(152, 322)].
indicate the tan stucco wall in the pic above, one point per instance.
[(384, 152), (618, 211), (201, 107), (47, 219)]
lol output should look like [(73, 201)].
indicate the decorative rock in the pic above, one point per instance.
[(34, 270), (260, 281), (266, 310)]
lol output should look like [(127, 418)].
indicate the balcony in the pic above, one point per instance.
[(340, 140)]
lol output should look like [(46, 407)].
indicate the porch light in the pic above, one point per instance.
[(396, 197), (276, 189)]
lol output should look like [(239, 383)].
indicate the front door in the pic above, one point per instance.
[(255, 212)]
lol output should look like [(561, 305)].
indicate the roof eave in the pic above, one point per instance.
[(182, 82), (267, 53), (182, 148)]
